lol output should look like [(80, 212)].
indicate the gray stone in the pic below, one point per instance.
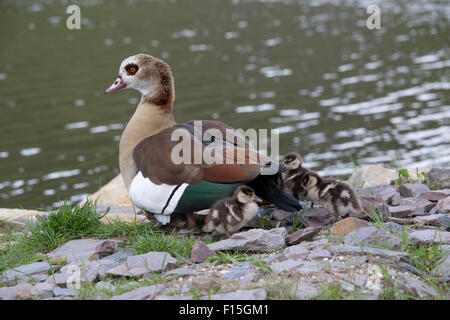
[(200, 252), (238, 271), (373, 205), (105, 285), (64, 292), (422, 205), (444, 220), (319, 254), (440, 178), (302, 235), (395, 200), (356, 250), (286, 265), (415, 287), (309, 266), (360, 280), (416, 189), (430, 236), (20, 291), (401, 211), (372, 235), (443, 206), (296, 252), (357, 261), (181, 272), (372, 175), (42, 290), (431, 219), (254, 294), (305, 290), (143, 293), (85, 249), (87, 273), (254, 240), (33, 271), (385, 192), (144, 263), (166, 297), (120, 256), (396, 229), (317, 217), (284, 217), (104, 266)]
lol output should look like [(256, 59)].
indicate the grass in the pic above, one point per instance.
[(229, 257), (334, 291)]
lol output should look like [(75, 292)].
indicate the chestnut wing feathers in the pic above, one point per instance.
[(153, 157)]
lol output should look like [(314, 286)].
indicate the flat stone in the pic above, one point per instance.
[(416, 189), (357, 261), (254, 240), (319, 254), (20, 291), (32, 271), (385, 192), (309, 266), (120, 256), (440, 178), (64, 292), (430, 236), (238, 271), (422, 205), (428, 220), (373, 204), (395, 200), (284, 217), (297, 251), (443, 269), (15, 214), (71, 273), (415, 287), (200, 252), (85, 249), (105, 285), (305, 290), (181, 272), (435, 195), (396, 229), (58, 260), (443, 206), (348, 225), (143, 293), (360, 280), (302, 235), (317, 217), (444, 220), (286, 265), (372, 175), (363, 250), (144, 263), (372, 235), (401, 211), (42, 290), (254, 294), (104, 266)]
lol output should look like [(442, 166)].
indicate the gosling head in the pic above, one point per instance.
[(244, 194), (148, 75), (309, 179), (292, 161)]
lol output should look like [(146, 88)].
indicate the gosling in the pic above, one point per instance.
[(229, 215), (290, 179)]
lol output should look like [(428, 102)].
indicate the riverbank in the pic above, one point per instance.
[(398, 250)]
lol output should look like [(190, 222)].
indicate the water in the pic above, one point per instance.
[(336, 90)]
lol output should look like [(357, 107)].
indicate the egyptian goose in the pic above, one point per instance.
[(161, 186)]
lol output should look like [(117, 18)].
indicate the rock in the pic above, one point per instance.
[(34, 271), (348, 225), (143, 293), (422, 205), (104, 266), (415, 190), (443, 268), (401, 211), (181, 272), (358, 261), (254, 240), (302, 235), (356, 250), (443, 206), (317, 217), (319, 254), (70, 274), (144, 263), (430, 236), (20, 291), (200, 252), (14, 214), (405, 192), (113, 193), (85, 249), (360, 280), (428, 220), (439, 178), (384, 192), (296, 252), (105, 285), (371, 204), (286, 265), (396, 229), (372, 175), (309, 266), (444, 220), (284, 217), (401, 221), (42, 290), (166, 297), (204, 284), (64, 292), (254, 294), (395, 200), (435, 195), (239, 271), (415, 287), (372, 235), (305, 290), (120, 256), (58, 260)]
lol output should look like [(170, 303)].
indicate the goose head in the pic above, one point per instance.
[(292, 161), (148, 75), (244, 194)]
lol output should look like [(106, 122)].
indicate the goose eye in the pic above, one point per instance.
[(131, 69)]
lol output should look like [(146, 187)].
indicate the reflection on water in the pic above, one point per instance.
[(335, 90)]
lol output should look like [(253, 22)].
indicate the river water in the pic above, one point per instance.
[(338, 92)]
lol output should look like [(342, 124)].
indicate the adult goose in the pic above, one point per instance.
[(161, 186)]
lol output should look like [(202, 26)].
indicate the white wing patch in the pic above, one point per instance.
[(328, 187)]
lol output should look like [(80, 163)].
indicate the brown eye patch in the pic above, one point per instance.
[(131, 69)]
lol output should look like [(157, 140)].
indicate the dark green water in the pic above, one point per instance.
[(335, 89)]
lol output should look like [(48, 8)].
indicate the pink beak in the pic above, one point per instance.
[(117, 85)]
